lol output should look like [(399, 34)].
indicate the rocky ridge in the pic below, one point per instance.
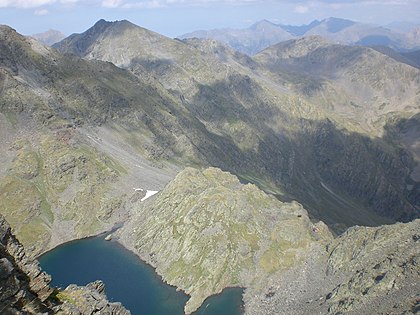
[(24, 287), (206, 231)]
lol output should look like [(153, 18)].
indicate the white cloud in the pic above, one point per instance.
[(302, 9), (111, 3), (153, 4), (24, 3), (41, 12)]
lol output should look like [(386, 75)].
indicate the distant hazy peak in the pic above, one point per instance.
[(335, 25), (301, 29), (49, 37), (262, 23)]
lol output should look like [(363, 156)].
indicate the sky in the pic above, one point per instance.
[(176, 17)]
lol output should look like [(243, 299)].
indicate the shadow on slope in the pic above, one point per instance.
[(342, 178)]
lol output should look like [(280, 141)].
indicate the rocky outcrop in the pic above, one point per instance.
[(89, 299), (24, 287), (206, 231)]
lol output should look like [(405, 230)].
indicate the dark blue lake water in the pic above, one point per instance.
[(127, 279)]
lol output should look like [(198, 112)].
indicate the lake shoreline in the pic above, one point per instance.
[(117, 242)]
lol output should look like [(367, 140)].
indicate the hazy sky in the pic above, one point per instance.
[(175, 17)]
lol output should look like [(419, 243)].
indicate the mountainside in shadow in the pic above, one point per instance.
[(264, 34), (271, 122)]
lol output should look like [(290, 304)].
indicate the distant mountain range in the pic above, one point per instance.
[(264, 34)]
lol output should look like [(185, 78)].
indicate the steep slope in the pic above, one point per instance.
[(206, 231), (56, 182), (267, 130), (25, 287), (362, 86)]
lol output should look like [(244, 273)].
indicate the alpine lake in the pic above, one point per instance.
[(128, 279)]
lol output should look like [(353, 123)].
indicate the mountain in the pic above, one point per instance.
[(49, 37), (25, 287), (338, 30), (267, 130), (357, 83), (353, 70), (402, 27), (248, 41)]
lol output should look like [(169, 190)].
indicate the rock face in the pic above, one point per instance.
[(206, 231), (382, 268), (24, 287), (364, 271)]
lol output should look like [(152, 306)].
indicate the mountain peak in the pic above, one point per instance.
[(79, 44)]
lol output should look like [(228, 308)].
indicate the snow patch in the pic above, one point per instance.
[(149, 193)]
